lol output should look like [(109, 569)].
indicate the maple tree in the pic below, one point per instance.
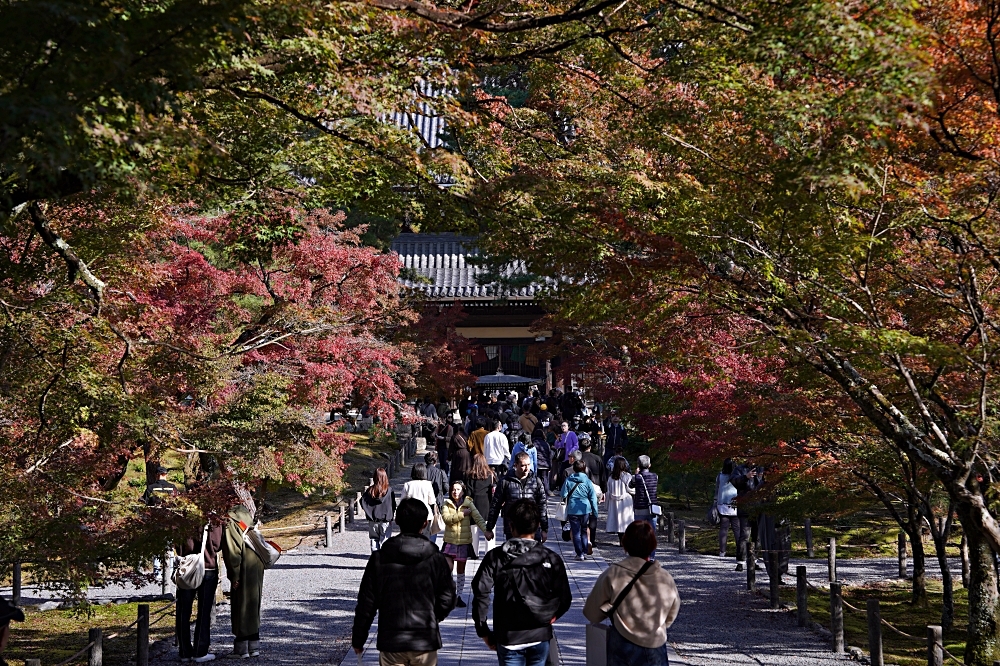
[(226, 335)]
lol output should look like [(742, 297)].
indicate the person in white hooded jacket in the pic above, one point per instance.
[(638, 631)]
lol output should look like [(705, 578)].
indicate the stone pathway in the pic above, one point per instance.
[(310, 595)]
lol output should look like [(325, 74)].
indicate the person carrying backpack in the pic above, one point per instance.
[(530, 592)]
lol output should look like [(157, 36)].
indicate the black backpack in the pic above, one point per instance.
[(537, 595)]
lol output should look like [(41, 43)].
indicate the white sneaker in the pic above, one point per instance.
[(203, 659), (579, 558)]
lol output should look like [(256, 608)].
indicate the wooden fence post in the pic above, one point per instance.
[(901, 554), (350, 509), (809, 538), (837, 618), (875, 633), (681, 537), (965, 564), (167, 565), (342, 519), (15, 593), (802, 596), (142, 637), (359, 512), (329, 532), (96, 654), (774, 578), (751, 565), (670, 527), (831, 560), (935, 646)]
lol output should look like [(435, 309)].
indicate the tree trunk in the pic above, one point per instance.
[(919, 596), (983, 639), (948, 601)]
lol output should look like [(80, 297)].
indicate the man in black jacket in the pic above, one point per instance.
[(520, 483), (530, 591), (408, 583), (747, 480), (598, 474)]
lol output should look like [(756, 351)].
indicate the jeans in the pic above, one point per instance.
[(746, 535), (536, 655), (203, 625), (577, 524), (378, 533), (725, 523), (622, 652)]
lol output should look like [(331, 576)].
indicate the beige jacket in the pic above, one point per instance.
[(650, 607)]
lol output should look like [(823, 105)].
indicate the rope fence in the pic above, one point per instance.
[(934, 641)]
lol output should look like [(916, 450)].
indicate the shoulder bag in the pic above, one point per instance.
[(597, 634), (437, 522), (564, 505), (654, 509), (190, 569), (267, 551)]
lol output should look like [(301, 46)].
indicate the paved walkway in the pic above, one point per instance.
[(310, 595)]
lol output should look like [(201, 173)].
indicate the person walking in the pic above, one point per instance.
[(408, 584), (530, 592), (620, 504), (378, 501), (641, 600), (614, 435), (459, 512), (746, 479), (645, 484), (208, 543), (566, 442), (437, 477), (496, 448), (519, 483), (543, 454), (477, 435), (459, 456), (245, 571), (525, 443), (419, 487), (598, 475), (725, 503), (581, 502), (480, 485)]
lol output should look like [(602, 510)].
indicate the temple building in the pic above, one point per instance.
[(499, 323)]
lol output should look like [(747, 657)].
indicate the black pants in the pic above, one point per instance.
[(203, 625), (747, 534)]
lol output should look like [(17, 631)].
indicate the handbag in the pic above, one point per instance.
[(190, 569), (567, 532), (654, 509), (267, 551), (437, 522), (562, 507), (597, 634), (712, 516)]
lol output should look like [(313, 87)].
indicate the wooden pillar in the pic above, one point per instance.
[(681, 537), (774, 579), (809, 538), (875, 633), (15, 593), (837, 618), (831, 560), (95, 656), (802, 596), (935, 646), (142, 637), (329, 531), (901, 554)]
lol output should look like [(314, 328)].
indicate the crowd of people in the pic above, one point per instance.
[(499, 458)]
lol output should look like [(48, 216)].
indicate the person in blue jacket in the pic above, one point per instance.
[(581, 503)]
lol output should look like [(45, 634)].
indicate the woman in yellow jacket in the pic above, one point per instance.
[(458, 512)]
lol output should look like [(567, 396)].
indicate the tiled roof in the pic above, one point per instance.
[(442, 258)]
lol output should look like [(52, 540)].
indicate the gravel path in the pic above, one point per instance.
[(310, 595)]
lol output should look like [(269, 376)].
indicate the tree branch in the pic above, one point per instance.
[(74, 263)]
